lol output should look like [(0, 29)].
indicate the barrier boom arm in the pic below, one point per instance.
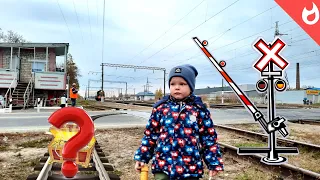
[(258, 116)]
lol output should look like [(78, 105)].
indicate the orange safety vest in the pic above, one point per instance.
[(73, 96)]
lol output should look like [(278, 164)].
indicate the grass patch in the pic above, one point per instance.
[(40, 143), (117, 172), (30, 163), (3, 148), (250, 144), (251, 174), (316, 155), (306, 159), (85, 102)]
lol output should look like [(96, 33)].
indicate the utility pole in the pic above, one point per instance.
[(140, 67), (147, 85), (222, 100), (88, 87), (277, 33), (102, 97)]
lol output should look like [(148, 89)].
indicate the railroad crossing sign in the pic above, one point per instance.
[(270, 53), (270, 81), (275, 124)]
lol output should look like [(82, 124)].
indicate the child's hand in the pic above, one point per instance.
[(212, 173), (138, 166)]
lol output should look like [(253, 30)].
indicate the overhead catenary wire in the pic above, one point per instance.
[(189, 32), (221, 34), (245, 69), (163, 34), (268, 29), (75, 9), (168, 30), (65, 20), (229, 29), (89, 19), (199, 53)]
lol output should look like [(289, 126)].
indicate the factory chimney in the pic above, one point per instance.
[(298, 78)]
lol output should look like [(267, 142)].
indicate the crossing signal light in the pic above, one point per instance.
[(280, 85), (205, 43), (222, 63), (262, 85)]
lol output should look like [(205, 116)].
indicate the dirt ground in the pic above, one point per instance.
[(306, 159), (19, 153), (299, 132), (115, 105), (122, 143)]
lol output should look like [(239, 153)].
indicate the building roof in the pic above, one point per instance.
[(145, 94), (313, 89), (59, 47)]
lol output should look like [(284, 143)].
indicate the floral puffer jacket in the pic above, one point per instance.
[(178, 137)]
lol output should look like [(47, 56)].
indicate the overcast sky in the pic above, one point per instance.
[(159, 34)]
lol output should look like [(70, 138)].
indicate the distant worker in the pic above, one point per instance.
[(73, 95), (63, 100)]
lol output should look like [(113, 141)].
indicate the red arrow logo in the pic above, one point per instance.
[(305, 13)]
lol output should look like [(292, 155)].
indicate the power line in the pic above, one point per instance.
[(249, 68), (248, 20), (268, 29), (199, 53), (167, 30), (189, 31), (78, 20), (89, 18), (97, 13), (229, 29), (64, 19)]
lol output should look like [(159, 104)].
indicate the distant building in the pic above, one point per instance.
[(145, 96), (216, 93), (30, 70), (297, 96)]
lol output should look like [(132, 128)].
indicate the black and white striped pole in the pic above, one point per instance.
[(38, 105)]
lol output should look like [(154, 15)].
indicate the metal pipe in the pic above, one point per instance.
[(272, 155)]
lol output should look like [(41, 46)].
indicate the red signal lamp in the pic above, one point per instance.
[(262, 85)]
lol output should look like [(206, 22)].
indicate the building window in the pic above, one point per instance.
[(38, 66)]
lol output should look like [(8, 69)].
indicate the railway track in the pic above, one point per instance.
[(264, 138), (99, 168), (149, 104), (285, 170), (311, 122)]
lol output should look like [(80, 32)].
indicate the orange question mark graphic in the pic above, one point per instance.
[(69, 153)]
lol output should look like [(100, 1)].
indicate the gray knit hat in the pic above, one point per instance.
[(187, 72)]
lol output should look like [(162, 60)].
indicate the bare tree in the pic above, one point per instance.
[(11, 37), (1, 35)]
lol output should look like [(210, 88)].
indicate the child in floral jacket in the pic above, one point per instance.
[(180, 134)]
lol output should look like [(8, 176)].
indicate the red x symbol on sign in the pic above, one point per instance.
[(270, 53)]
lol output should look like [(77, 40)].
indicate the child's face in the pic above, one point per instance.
[(179, 88)]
